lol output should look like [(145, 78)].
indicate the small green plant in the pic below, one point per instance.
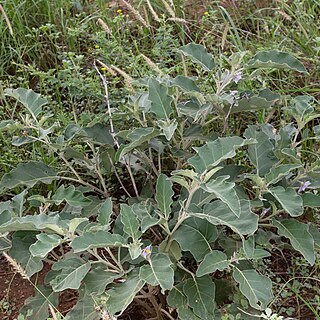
[(167, 199)]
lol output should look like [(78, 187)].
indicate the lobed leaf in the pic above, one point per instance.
[(44, 244), (28, 174), (218, 213), (260, 154), (213, 261), (158, 272), (72, 196), (39, 303), (130, 222), (98, 278), (122, 295), (164, 195), (161, 102), (104, 212), (225, 191), (196, 235), (299, 236), (201, 294), (199, 54), (137, 137), (213, 152), (21, 241), (290, 201), (256, 288), (99, 239), (276, 59), (31, 100)]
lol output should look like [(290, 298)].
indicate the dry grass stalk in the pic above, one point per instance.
[(127, 79), (6, 19), (104, 26), (150, 63), (178, 20), (16, 266), (168, 8), (135, 13), (285, 15), (108, 69), (123, 74), (153, 13)]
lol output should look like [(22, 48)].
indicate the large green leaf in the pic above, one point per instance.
[(311, 200), (44, 244), (213, 261), (144, 212), (290, 201), (264, 100), (99, 239), (39, 303), (260, 154), (21, 241), (31, 100), (196, 235), (98, 278), (185, 313), (198, 54), (218, 213), (100, 134), (256, 288), (158, 272), (185, 83), (28, 174), (137, 138), (213, 152), (104, 212), (122, 295), (130, 222), (164, 195), (226, 192), (201, 294), (276, 59), (168, 128), (131, 227), (72, 196), (72, 271), (299, 236), (278, 172), (176, 298), (84, 309), (301, 107), (161, 102), (37, 222)]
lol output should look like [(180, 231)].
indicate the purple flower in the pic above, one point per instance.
[(304, 186), (237, 76), (146, 252)]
